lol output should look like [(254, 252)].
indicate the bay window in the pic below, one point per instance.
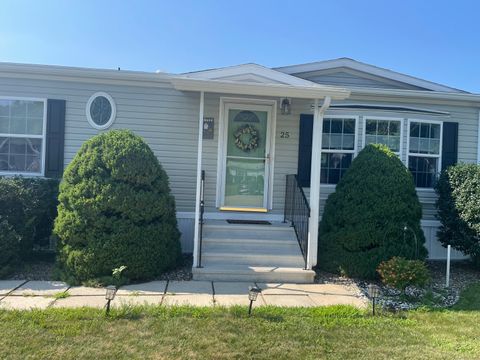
[(424, 151), (386, 131), (338, 147), (22, 136)]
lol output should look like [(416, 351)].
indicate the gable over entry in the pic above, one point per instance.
[(254, 80)]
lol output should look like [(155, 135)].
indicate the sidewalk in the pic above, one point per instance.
[(43, 294)]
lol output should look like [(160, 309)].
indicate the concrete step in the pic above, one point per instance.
[(253, 273), (223, 225), (248, 235), (226, 258), (259, 248)]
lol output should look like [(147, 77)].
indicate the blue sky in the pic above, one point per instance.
[(434, 40)]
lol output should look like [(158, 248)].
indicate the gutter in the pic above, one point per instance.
[(258, 89), (77, 74)]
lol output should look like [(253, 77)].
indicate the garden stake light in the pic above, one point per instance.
[(253, 292), (109, 296), (373, 292)]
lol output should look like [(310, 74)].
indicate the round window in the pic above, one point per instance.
[(101, 110)]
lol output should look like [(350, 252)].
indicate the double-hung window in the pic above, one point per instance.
[(424, 151), (338, 147), (386, 131), (22, 136)]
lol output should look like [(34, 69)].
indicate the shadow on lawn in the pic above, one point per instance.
[(469, 299)]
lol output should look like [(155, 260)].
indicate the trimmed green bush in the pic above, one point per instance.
[(365, 218), (458, 207), (30, 207), (9, 248), (399, 273), (116, 210)]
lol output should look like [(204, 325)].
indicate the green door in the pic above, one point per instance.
[(246, 167)]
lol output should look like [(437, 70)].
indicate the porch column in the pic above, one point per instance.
[(315, 181), (196, 236)]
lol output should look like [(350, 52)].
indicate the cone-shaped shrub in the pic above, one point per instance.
[(365, 218), (459, 209), (115, 208)]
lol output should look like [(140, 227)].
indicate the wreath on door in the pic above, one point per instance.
[(246, 138)]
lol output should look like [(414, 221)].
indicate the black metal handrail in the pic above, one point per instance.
[(297, 212), (202, 210)]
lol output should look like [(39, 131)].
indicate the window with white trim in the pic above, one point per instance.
[(384, 131), (424, 152), (22, 136), (338, 148)]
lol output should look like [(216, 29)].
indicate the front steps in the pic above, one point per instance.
[(243, 252)]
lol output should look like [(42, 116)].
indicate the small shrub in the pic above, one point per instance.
[(399, 273), (458, 206), (30, 207), (363, 222), (9, 248), (115, 208)]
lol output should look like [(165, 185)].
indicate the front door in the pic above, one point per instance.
[(247, 157)]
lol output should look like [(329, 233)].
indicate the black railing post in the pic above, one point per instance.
[(202, 210)]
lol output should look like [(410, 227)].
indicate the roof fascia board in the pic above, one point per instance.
[(254, 69), (215, 86), (370, 69), (61, 73)]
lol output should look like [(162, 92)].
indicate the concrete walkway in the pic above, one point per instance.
[(43, 294)]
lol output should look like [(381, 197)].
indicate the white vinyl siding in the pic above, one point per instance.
[(167, 119)]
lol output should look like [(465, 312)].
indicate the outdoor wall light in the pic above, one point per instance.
[(285, 106), (373, 292), (109, 296), (253, 292)]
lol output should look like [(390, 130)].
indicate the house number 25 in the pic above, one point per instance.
[(284, 134)]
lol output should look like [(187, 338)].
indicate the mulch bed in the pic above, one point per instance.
[(44, 270), (39, 270), (435, 295)]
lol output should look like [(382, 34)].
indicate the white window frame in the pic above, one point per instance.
[(387, 118), (439, 156), (112, 115), (23, 136), (336, 151)]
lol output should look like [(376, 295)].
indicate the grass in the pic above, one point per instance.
[(337, 332), (470, 299), (61, 295)]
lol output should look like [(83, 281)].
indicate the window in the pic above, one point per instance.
[(101, 110), (22, 136), (338, 148), (424, 151), (384, 131)]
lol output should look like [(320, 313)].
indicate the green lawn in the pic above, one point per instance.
[(272, 333)]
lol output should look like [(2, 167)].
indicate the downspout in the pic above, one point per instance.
[(315, 180)]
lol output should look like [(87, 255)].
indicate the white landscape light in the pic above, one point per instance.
[(253, 292), (373, 292), (109, 296)]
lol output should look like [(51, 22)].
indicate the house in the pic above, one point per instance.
[(229, 138)]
